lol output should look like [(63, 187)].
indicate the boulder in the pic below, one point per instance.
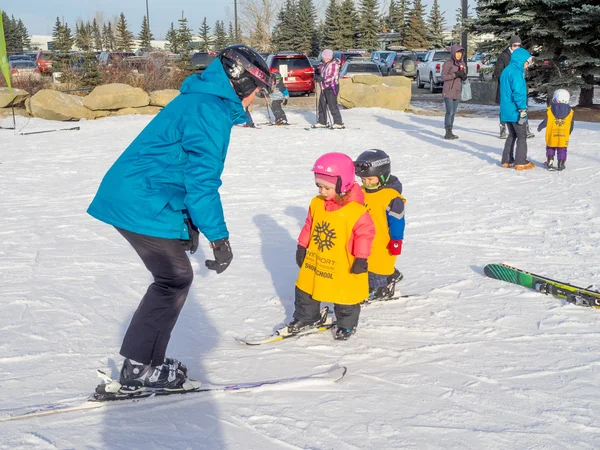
[(368, 79), (163, 97), (19, 96), (7, 112), (141, 110), (116, 96), (54, 105), (361, 95)]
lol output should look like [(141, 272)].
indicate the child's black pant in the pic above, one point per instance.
[(150, 329), (308, 310), (278, 110)]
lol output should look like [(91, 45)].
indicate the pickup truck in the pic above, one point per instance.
[(430, 70)]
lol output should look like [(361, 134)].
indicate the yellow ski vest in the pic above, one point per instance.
[(325, 273), (558, 131), (380, 261)]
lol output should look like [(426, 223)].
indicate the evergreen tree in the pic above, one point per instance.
[(435, 26), (123, 38), (204, 36), (231, 35), (582, 45), (97, 34), (306, 26), (12, 36), (90, 76), (332, 29), (84, 39), (369, 25), (24, 35), (172, 39), (108, 37), (457, 29), (62, 37), (220, 35), (145, 37), (349, 24), (416, 31), (184, 34)]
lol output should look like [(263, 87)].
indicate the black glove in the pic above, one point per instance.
[(223, 255), (191, 244), (359, 266), (522, 116), (300, 255), (285, 100), (461, 74)]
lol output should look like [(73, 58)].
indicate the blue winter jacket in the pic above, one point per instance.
[(513, 88), (172, 170)]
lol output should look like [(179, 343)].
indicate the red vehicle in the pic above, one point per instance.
[(295, 68), (44, 61)]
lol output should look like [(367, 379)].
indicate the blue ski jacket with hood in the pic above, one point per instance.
[(513, 87), (172, 170)]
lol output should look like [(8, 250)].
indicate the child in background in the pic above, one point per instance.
[(559, 126), (333, 248), (279, 97), (384, 200)]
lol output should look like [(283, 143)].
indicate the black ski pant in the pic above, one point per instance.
[(517, 133), (308, 310), (278, 110), (328, 98), (150, 329)]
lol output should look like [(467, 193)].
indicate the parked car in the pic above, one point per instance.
[(296, 70), (385, 60), (201, 60), (405, 64), (24, 69), (108, 59), (342, 57), (20, 57), (44, 61), (360, 66), (430, 70)]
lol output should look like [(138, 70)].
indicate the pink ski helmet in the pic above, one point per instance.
[(337, 165)]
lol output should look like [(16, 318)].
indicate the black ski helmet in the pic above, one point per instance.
[(373, 163), (246, 69)]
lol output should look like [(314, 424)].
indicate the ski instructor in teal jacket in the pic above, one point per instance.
[(162, 190)]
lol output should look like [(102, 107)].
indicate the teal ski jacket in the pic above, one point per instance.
[(513, 87)]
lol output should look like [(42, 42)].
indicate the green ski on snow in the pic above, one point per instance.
[(572, 294)]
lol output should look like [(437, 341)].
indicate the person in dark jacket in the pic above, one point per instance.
[(163, 191), (513, 109), (502, 61), (559, 126), (454, 72)]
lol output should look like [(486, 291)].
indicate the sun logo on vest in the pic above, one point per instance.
[(559, 122), (324, 236)]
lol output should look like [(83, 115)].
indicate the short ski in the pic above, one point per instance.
[(282, 333), (572, 294), (330, 376)]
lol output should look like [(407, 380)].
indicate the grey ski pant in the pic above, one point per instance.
[(150, 329), (278, 110), (308, 310), (516, 133), (327, 99)]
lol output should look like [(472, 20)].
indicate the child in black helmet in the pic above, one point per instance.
[(384, 200)]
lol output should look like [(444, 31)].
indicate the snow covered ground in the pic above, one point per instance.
[(474, 364)]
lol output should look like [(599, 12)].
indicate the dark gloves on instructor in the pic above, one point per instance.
[(223, 255), (191, 244), (461, 74)]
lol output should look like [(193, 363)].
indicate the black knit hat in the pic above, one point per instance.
[(515, 40)]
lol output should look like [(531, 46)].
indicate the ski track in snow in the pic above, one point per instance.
[(472, 363)]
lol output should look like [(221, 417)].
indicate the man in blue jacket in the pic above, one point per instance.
[(163, 190), (513, 109)]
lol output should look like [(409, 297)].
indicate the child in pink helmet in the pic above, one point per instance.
[(333, 248)]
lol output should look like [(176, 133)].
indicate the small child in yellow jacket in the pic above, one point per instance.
[(384, 200), (559, 125)]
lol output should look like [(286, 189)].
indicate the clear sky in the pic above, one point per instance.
[(39, 15)]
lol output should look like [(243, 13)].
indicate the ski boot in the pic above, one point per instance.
[(169, 376), (343, 334), (503, 134), (297, 326), (386, 292), (281, 122), (561, 165), (549, 163), (319, 125), (338, 126)]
